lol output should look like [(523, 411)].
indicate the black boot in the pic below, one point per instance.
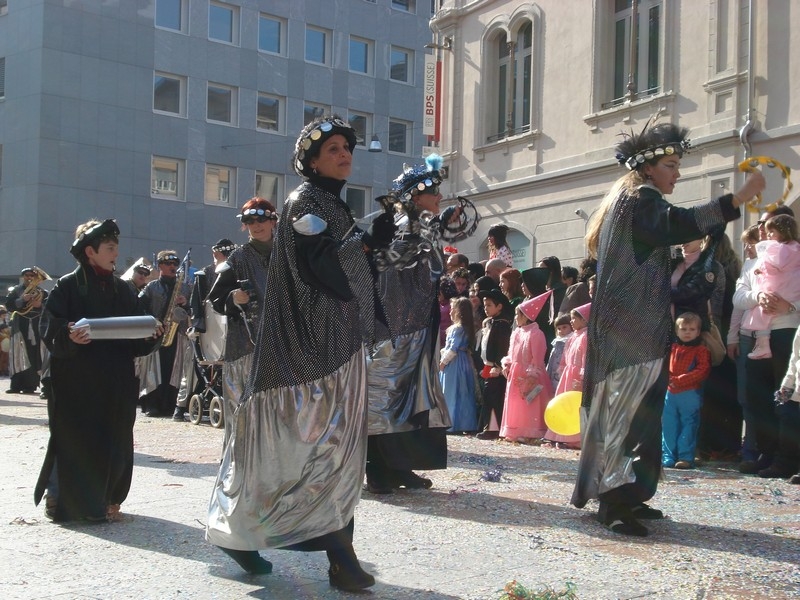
[(345, 572), (250, 560), (410, 480), (619, 519)]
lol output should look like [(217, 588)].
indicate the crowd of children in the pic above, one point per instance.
[(505, 357), (498, 367)]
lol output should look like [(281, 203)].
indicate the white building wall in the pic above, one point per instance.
[(546, 182)]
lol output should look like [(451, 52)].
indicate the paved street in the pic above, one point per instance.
[(726, 536)]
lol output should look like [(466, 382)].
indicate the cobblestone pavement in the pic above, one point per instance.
[(726, 536)]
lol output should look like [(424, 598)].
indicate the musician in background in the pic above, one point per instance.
[(246, 267), (137, 275), (161, 372), (203, 280), (25, 356), (5, 341)]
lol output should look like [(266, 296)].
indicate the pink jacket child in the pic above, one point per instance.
[(529, 388), (777, 271), (573, 362)]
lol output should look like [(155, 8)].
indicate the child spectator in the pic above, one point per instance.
[(573, 363), (564, 332), (529, 389), (689, 366), (447, 290), (456, 369), (494, 346), (777, 272)]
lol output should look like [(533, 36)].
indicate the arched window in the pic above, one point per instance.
[(514, 66)]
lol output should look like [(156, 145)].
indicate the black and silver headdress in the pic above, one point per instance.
[(314, 135), (651, 144)]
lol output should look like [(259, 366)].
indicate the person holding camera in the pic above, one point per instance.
[(238, 293)]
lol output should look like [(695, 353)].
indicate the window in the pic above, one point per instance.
[(269, 117), (219, 184), (400, 67), (167, 175), (317, 45), (399, 136), (270, 34), (513, 101), (223, 23), (405, 5), (356, 199), (361, 53), (2, 77), (3, 7), (169, 94), (270, 187), (362, 123), (171, 14), (633, 79), (314, 111), (222, 104)]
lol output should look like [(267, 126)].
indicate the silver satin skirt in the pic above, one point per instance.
[(293, 467), (603, 464), (402, 383), (234, 379), (18, 353), (149, 367)]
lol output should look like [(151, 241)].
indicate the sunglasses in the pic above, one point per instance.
[(760, 223), (260, 219), (171, 263)]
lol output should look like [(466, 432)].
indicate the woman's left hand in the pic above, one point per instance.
[(773, 304)]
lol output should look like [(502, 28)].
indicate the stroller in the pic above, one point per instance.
[(208, 360)]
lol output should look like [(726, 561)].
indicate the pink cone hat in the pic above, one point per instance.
[(531, 308), (584, 311)]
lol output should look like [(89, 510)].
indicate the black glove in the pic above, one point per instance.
[(381, 232)]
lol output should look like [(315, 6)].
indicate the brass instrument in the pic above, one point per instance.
[(170, 322), (34, 290)]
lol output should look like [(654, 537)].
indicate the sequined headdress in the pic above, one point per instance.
[(314, 135), (651, 144), (417, 179)]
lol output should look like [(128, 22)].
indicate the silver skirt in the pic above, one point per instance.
[(604, 465), (293, 467), (234, 380), (403, 383)]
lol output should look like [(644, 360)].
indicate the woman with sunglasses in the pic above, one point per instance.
[(238, 293), (408, 415), (291, 473)]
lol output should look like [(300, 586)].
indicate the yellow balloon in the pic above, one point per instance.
[(562, 414)]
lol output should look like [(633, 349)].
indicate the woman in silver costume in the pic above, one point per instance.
[(629, 333), (292, 469), (408, 416), (245, 267)]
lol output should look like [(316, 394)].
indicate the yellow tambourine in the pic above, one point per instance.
[(749, 165)]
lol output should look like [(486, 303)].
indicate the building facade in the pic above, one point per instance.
[(533, 96), (169, 114)]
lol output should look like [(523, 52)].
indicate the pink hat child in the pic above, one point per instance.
[(584, 311), (532, 307)]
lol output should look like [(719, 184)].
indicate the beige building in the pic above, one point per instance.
[(533, 96)]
